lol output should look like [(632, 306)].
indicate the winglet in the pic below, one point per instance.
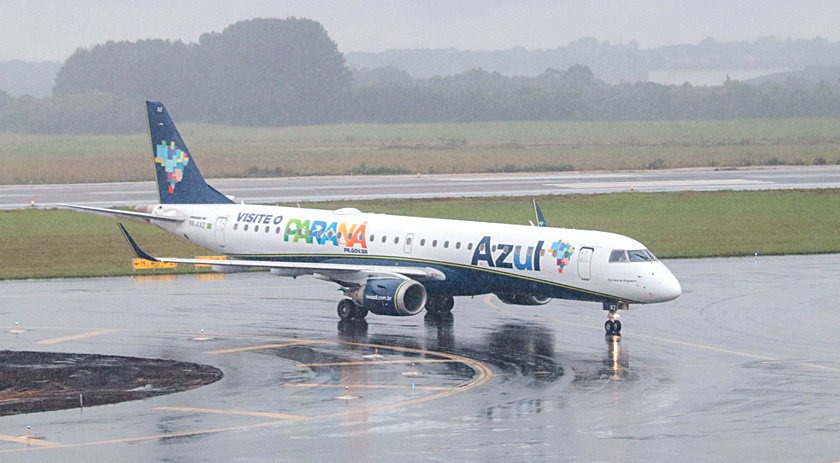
[(140, 253), (540, 219)]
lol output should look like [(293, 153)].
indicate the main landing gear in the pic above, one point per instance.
[(613, 324), (439, 303), (349, 310)]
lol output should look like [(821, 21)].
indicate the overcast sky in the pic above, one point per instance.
[(50, 30)]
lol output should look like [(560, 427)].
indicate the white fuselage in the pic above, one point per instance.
[(476, 257)]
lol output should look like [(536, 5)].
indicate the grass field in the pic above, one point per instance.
[(57, 243), (428, 148)]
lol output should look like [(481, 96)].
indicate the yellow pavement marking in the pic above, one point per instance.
[(29, 441), (377, 362), (281, 416), (371, 386), (74, 337), (261, 347)]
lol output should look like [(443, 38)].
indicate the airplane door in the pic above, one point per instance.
[(408, 239), (221, 222), (585, 263)]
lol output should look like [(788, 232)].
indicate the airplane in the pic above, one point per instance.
[(394, 265)]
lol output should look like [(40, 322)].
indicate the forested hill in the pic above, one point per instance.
[(612, 63), (278, 72)]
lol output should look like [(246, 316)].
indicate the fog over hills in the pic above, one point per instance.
[(707, 63)]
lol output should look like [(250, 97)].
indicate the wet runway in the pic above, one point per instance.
[(273, 190), (742, 367)]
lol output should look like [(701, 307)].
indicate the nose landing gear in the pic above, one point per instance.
[(613, 324)]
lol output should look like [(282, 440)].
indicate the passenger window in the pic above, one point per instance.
[(408, 241), (469, 246), (256, 228), (434, 243), (246, 227), (277, 230), (396, 240), (423, 242), (371, 239), (384, 238), (236, 226), (267, 229), (446, 244)]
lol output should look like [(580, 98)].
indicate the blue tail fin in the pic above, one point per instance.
[(540, 219), (178, 178)]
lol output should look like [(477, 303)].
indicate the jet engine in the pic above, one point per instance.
[(522, 299), (391, 296)]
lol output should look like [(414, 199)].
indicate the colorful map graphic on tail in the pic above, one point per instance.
[(173, 160)]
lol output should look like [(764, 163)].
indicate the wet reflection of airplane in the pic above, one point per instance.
[(392, 265)]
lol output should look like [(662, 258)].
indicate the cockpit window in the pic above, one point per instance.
[(641, 255), (618, 255), (638, 255)]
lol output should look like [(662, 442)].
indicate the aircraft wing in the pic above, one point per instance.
[(341, 273), (122, 213)]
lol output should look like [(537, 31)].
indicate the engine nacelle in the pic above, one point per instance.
[(393, 296), (519, 299)]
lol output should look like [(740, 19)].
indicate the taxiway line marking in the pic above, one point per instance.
[(74, 337), (371, 386), (378, 362), (261, 347), (281, 416), (29, 441)]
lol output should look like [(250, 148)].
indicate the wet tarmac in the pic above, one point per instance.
[(742, 367)]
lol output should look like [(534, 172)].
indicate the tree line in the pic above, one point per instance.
[(273, 72)]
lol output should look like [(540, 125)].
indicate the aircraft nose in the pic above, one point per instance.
[(670, 288)]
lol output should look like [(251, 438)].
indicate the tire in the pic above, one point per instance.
[(616, 327), (359, 312), (446, 303), (346, 309), (432, 304), (609, 326)]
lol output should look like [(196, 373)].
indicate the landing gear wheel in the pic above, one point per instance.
[(346, 309), (446, 304), (432, 305), (360, 312), (613, 327), (439, 303)]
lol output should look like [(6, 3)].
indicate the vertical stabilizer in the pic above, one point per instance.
[(178, 178), (540, 218)]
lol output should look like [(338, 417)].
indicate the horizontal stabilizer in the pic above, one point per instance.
[(121, 213)]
